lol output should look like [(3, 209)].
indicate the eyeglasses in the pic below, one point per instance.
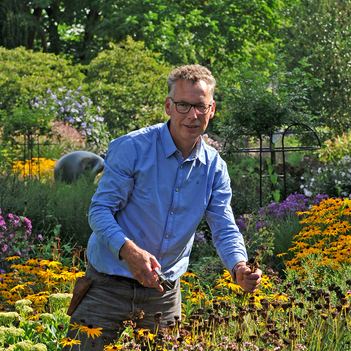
[(184, 107)]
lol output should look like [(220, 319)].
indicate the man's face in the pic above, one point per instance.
[(186, 128)]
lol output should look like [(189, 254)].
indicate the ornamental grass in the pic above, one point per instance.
[(301, 312)]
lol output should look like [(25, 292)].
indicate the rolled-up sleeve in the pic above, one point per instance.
[(112, 195), (227, 239)]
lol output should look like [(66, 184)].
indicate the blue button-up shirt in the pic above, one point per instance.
[(149, 194)]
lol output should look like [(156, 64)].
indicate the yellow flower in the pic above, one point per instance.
[(227, 282), (92, 332), (112, 347), (78, 327), (50, 263), (69, 342), (40, 329), (187, 274), (279, 297), (11, 258)]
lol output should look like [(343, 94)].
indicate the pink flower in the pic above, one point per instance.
[(40, 237), (4, 248), (19, 252)]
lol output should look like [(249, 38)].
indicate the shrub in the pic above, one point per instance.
[(322, 246), (78, 111), (274, 225), (50, 203), (129, 84), (25, 74), (335, 150), (16, 237), (333, 178)]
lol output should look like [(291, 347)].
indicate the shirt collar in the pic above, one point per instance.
[(170, 148)]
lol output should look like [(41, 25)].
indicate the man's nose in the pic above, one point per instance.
[(192, 112)]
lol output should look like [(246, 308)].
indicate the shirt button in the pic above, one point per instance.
[(167, 236), (177, 189), (171, 213), (159, 258), (181, 166)]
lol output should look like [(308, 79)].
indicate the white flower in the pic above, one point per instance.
[(343, 174), (312, 180), (339, 182), (319, 170), (302, 186), (344, 193), (302, 178), (307, 192)]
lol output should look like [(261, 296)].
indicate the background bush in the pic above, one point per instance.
[(25, 75), (129, 84), (49, 203)]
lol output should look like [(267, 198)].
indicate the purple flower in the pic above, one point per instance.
[(49, 91), (259, 225), (200, 238), (241, 223)]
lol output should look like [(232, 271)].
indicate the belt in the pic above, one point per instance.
[(120, 278)]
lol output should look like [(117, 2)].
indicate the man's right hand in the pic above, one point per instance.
[(141, 264)]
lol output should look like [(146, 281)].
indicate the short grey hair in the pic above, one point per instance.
[(193, 74)]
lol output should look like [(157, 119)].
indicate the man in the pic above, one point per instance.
[(157, 184)]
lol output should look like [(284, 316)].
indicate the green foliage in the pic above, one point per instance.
[(315, 270), (76, 110), (48, 204), (212, 33), (129, 85), (25, 75), (335, 150), (332, 178), (24, 121), (260, 104), (321, 30), (13, 25)]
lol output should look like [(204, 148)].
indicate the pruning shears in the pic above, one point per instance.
[(163, 279)]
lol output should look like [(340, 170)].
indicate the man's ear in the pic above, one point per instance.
[(213, 109), (168, 106)]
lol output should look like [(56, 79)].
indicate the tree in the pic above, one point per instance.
[(54, 26), (212, 33), (321, 30), (25, 75), (14, 26), (130, 86), (260, 104)]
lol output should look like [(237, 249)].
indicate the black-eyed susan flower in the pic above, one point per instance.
[(69, 342), (112, 347), (91, 331)]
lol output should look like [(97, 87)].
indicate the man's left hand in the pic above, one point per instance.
[(247, 280)]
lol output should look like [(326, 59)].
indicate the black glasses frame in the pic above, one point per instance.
[(191, 105)]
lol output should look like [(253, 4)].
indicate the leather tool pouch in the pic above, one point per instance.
[(80, 289)]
